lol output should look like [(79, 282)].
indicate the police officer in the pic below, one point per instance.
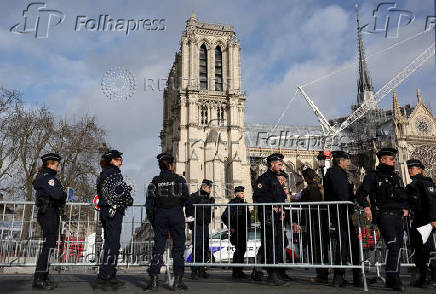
[(388, 204), (338, 187), (267, 189), (422, 195), (238, 221), (114, 197), (202, 217), (50, 199), (166, 196)]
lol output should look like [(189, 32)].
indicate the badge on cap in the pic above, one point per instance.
[(51, 182)]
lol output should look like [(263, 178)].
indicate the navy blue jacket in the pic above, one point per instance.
[(111, 188), (150, 199), (201, 214), (422, 195), (267, 189), (337, 187), (47, 186)]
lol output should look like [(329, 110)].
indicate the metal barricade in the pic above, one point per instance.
[(80, 237), (282, 235)]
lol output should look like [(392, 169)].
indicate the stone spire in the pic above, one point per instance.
[(396, 107), (418, 95), (364, 84)]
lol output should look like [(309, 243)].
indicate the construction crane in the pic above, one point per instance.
[(330, 131)]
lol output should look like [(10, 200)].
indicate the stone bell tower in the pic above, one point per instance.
[(203, 110)]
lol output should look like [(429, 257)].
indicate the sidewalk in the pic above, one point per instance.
[(219, 282)]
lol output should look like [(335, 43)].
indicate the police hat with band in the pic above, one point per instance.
[(239, 189), (112, 154), (274, 157), (51, 156), (207, 182), (387, 152), (340, 154), (165, 156), (414, 162)]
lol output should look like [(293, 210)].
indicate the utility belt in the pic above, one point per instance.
[(44, 204), (168, 202)]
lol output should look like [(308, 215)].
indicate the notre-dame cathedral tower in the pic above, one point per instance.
[(203, 110)]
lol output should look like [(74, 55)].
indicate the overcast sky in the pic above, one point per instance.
[(284, 44)]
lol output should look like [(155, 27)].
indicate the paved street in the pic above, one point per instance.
[(219, 282)]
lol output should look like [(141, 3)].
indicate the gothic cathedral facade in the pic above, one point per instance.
[(203, 110)]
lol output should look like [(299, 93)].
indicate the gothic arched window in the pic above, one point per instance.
[(204, 115), (220, 115), (218, 69), (203, 67)]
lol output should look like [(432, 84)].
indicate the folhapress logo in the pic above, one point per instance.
[(38, 19)]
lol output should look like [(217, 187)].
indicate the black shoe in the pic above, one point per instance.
[(338, 281), (204, 274), (319, 280), (284, 276), (243, 275), (274, 278), (395, 284), (421, 282), (116, 284), (42, 285), (194, 274), (153, 284), (100, 284), (52, 282), (179, 285), (256, 275)]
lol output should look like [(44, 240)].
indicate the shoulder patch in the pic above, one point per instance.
[(431, 189), (51, 182)]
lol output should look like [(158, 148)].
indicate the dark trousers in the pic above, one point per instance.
[(200, 238), (111, 248), (172, 221), (392, 231), (239, 240), (347, 243), (49, 222), (424, 253), (318, 228), (271, 237)]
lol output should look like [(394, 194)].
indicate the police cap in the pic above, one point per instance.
[(274, 157), (387, 152), (112, 154), (340, 154), (207, 182), (51, 156), (239, 189), (165, 156), (415, 162)]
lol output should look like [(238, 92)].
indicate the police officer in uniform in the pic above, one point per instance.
[(166, 196), (422, 195), (114, 197), (388, 204), (50, 199), (200, 231), (239, 223), (338, 187), (267, 189)]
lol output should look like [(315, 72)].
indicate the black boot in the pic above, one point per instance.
[(395, 283), (194, 274), (42, 285), (421, 281), (235, 273), (274, 278), (357, 278), (179, 285), (116, 284), (284, 276), (338, 280), (100, 284), (153, 284), (203, 273), (256, 275)]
